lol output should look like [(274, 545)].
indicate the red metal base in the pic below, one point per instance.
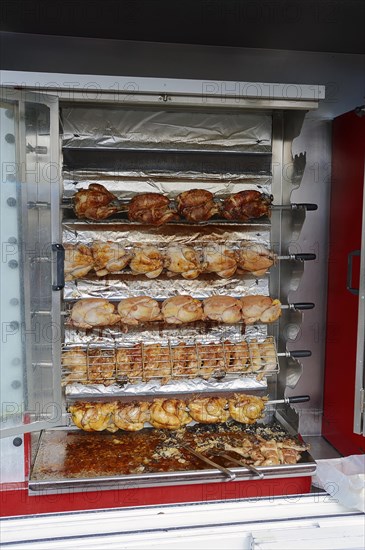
[(15, 500)]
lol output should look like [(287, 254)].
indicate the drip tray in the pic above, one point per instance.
[(71, 459)]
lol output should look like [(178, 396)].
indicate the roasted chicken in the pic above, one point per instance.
[(170, 414), (95, 203), (246, 205), (129, 363), (157, 363), (147, 260), (94, 417), (151, 208), (181, 309), (101, 366), (260, 308), (269, 359), (254, 258), (78, 261), (93, 312), (74, 365), (109, 257), (224, 309), (219, 259), (238, 356), (209, 410), (132, 416), (140, 309), (246, 408), (184, 260), (196, 205)]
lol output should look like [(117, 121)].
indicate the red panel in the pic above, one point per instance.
[(15, 500), (348, 151)]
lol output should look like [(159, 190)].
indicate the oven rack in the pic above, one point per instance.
[(142, 362)]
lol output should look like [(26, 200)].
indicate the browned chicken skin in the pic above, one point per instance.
[(151, 208), (246, 205), (209, 410), (109, 257), (95, 203), (169, 414), (196, 205)]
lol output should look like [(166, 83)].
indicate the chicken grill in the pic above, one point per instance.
[(141, 362)]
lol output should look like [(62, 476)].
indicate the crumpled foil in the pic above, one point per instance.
[(116, 127), (192, 386)]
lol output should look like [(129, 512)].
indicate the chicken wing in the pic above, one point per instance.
[(140, 309), (78, 261), (196, 205), (184, 260), (93, 312), (147, 260), (95, 203), (260, 308), (219, 259), (224, 309), (109, 257), (151, 208), (254, 258), (246, 205), (209, 409), (181, 309)]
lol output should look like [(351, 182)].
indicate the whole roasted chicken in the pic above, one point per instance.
[(219, 259), (169, 414), (254, 258), (132, 416), (147, 260), (209, 410), (151, 208), (224, 309), (95, 203), (140, 309), (94, 417), (109, 257), (184, 260), (78, 261), (246, 408), (196, 205), (260, 308), (181, 309), (93, 312), (246, 205)]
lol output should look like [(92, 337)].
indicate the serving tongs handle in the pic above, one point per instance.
[(230, 475), (252, 469)]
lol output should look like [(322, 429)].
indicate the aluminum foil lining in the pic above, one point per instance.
[(154, 387), (127, 127), (126, 188), (160, 332)]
